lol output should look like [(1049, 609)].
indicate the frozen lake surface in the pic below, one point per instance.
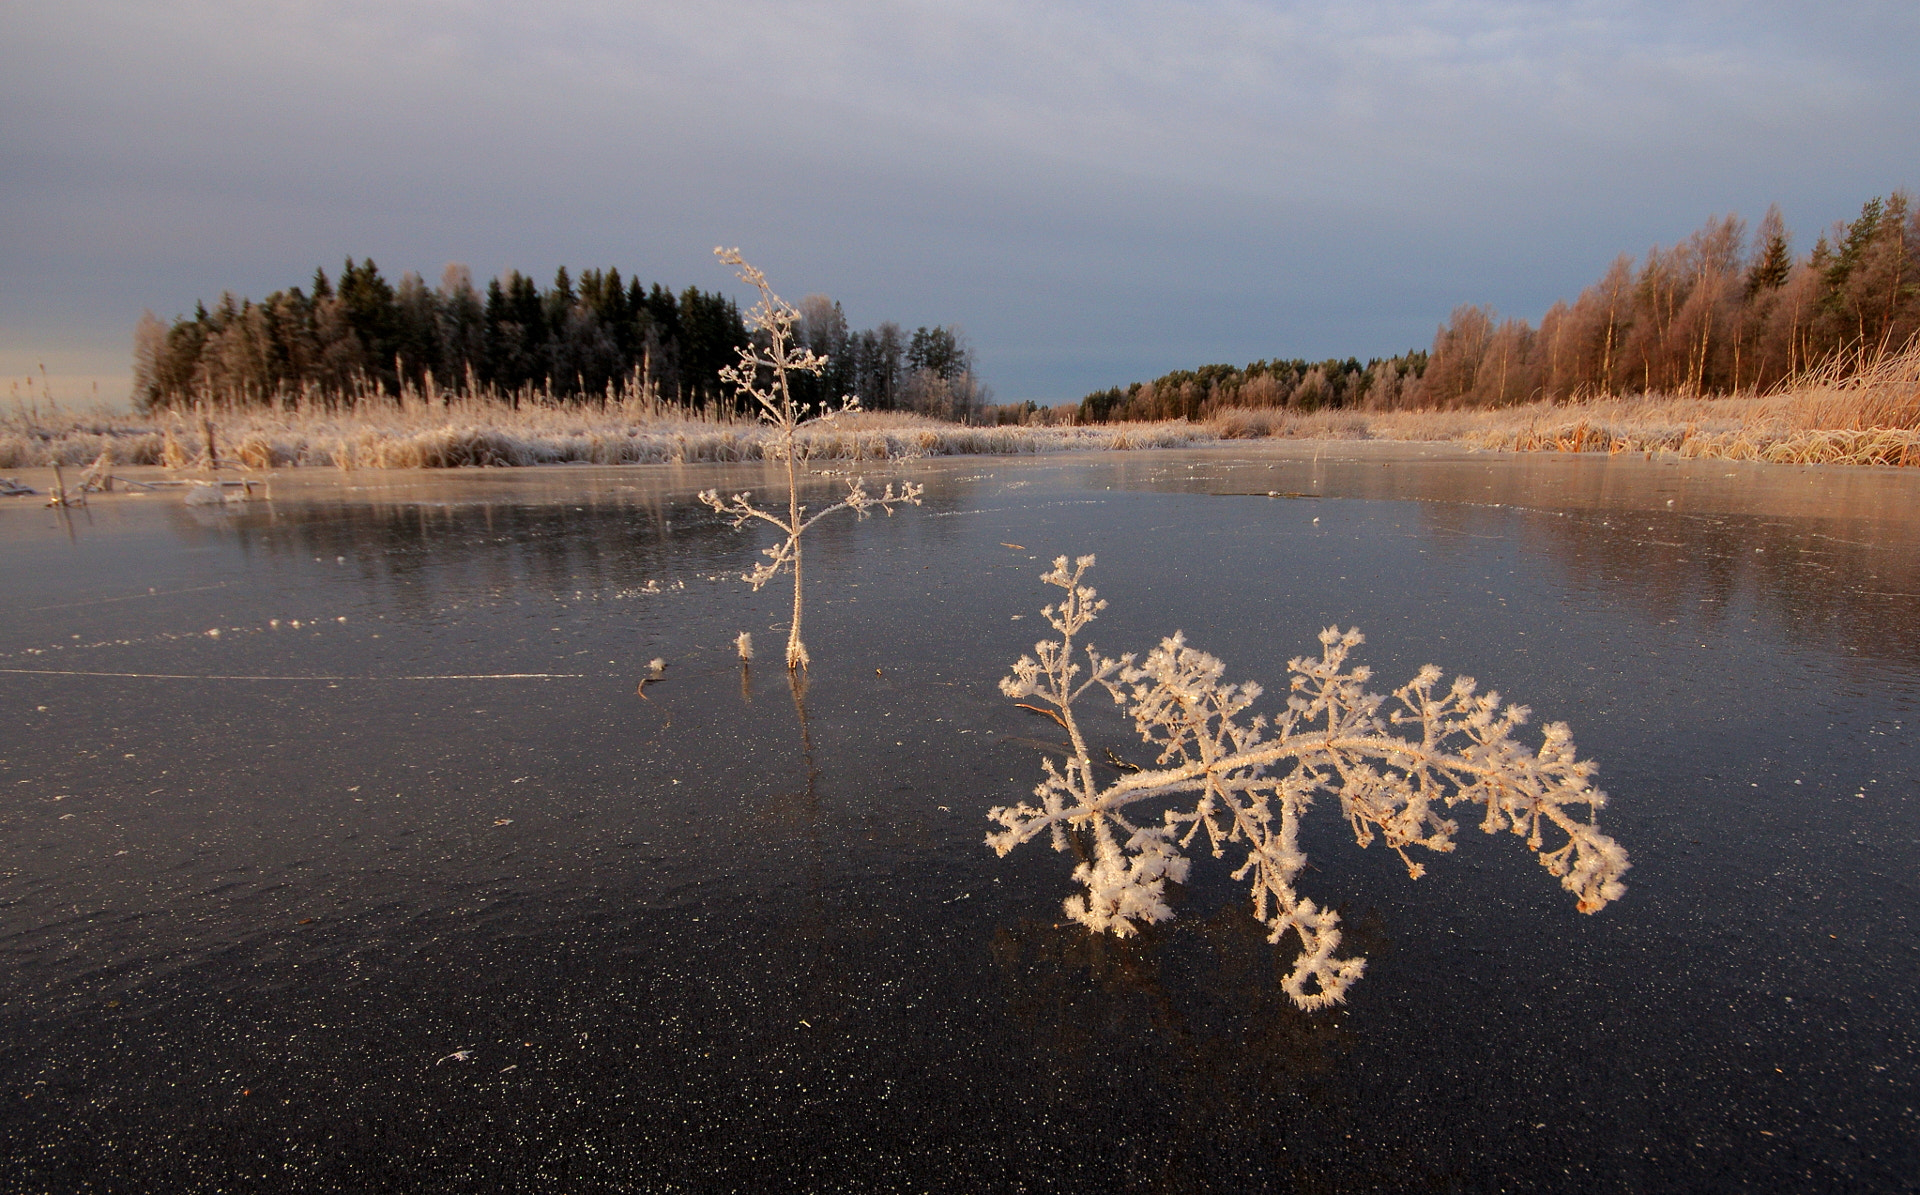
[(395, 883)]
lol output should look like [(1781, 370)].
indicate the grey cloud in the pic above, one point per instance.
[(1176, 182)]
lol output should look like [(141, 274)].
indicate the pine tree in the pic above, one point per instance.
[(1772, 255)]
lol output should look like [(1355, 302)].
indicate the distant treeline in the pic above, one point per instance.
[(362, 337), (1715, 314), (1305, 385)]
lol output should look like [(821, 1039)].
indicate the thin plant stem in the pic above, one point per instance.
[(775, 360)]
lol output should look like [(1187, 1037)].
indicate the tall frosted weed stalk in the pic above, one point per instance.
[(762, 375), (1246, 783)]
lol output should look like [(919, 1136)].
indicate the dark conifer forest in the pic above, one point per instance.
[(359, 337)]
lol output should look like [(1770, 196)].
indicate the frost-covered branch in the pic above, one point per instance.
[(1393, 763), (762, 374), (739, 510)]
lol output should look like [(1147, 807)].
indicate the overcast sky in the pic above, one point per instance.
[(1096, 193)]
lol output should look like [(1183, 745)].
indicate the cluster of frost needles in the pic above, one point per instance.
[(762, 375), (1246, 782)]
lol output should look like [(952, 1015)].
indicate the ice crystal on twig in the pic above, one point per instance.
[(762, 374), (1393, 763)]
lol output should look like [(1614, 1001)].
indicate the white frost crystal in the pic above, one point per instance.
[(1246, 782), (763, 376)]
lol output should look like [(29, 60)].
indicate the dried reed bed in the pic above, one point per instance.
[(1859, 414), (415, 433), (1756, 428), (1870, 416), (1867, 415)]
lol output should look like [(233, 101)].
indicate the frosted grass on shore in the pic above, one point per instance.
[(1868, 416), (1871, 417), (1767, 429), (403, 438)]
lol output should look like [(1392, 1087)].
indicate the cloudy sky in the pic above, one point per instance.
[(1096, 193)]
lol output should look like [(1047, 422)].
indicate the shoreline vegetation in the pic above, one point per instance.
[(1865, 416), (1716, 315), (363, 339), (1720, 346)]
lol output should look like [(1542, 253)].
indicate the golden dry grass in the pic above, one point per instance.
[(1869, 416)]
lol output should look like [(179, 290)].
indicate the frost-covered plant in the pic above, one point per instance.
[(1246, 782), (762, 375)]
